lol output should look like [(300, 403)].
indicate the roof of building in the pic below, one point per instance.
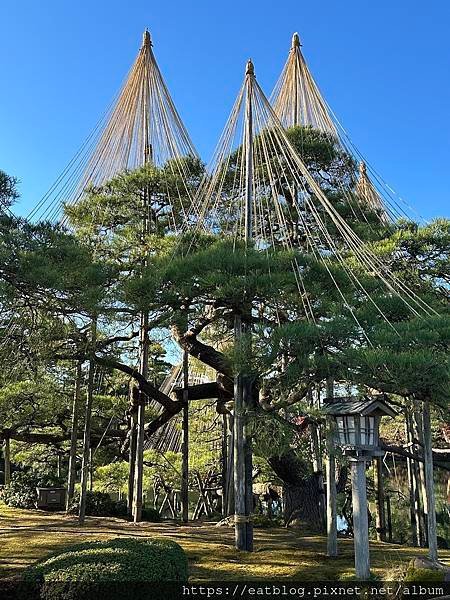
[(361, 405)]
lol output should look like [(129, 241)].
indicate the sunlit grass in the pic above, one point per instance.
[(27, 536)]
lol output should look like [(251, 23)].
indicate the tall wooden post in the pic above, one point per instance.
[(295, 45), (131, 462), (143, 328), (74, 436), (224, 466), (239, 454), (413, 484), (429, 483), (380, 518), (417, 423), (360, 519), (243, 481), (7, 459), (330, 441), (332, 549), (185, 442), (87, 428)]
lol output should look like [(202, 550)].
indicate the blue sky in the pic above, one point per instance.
[(383, 66)]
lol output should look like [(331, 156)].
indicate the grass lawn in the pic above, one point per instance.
[(27, 536)]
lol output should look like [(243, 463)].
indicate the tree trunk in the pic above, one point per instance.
[(87, 430), (302, 491), (71, 475), (429, 483), (380, 520)]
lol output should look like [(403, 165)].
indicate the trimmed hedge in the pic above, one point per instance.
[(122, 566)]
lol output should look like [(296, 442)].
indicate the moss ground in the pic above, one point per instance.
[(27, 536)]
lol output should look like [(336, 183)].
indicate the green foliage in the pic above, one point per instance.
[(265, 522), (80, 570), (414, 575), (99, 504), (151, 515), (21, 492), (8, 189)]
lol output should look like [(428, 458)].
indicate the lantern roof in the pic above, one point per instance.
[(362, 405)]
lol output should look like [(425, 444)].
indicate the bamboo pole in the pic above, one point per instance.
[(71, 475)]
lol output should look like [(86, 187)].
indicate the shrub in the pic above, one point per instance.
[(423, 575), (21, 492), (99, 504), (122, 566), (151, 515), (265, 522)]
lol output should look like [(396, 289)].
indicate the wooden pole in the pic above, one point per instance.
[(132, 462), (418, 435), (414, 497), (144, 321), (243, 480), (7, 459), (224, 465), (185, 442), (248, 450), (332, 549), (87, 428), (71, 475), (239, 455), (360, 519), (429, 483), (380, 518), (389, 518)]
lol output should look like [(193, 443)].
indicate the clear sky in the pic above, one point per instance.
[(382, 65)]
